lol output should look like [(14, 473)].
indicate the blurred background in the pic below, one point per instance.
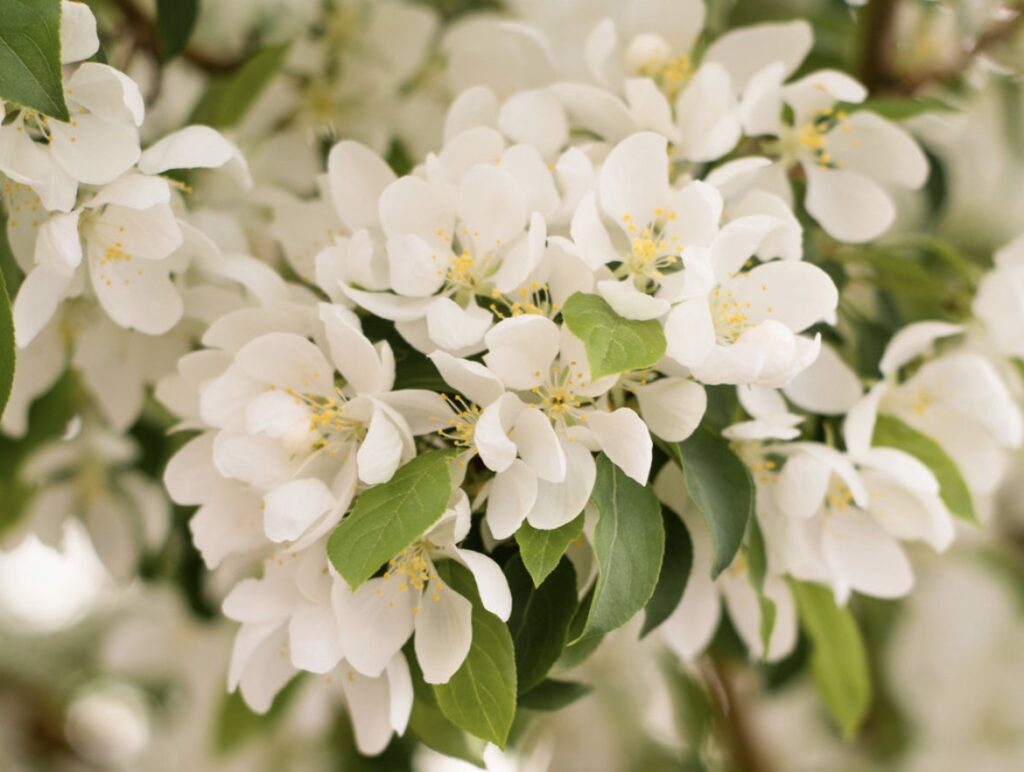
[(97, 673)]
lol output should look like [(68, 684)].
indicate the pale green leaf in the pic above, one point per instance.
[(6, 346), (891, 432), (838, 659), (541, 550), (228, 98), (613, 344), (389, 517)]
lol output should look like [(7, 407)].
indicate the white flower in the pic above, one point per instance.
[(999, 302), (848, 158), (380, 616), (537, 417), (300, 440), (289, 624), (958, 399), (98, 143), (691, 626), (448, 254)]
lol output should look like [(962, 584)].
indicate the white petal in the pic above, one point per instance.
[(512, 494), (492, 207), (287, 361), (912, 341), (863, 557), (380, 453), (629, 302), (291, 508), (375, 621), (58, 247), (190, 475), (354, 356), (107, 93), (476, 106), (37, 300), (522, 349), (313, 638), (829, 386), (537, 118), (880, 149), (195, 147), (624, 438), (357, 177), (490, 435), (411, 205), (595, 109), (454, 328), (558, 503), (672, 407), (792, 292), (92, 150), (416, 267), (538, 445), (802, 485), (443, 633), (633, 180), (136, 293), (369, 708), (850, 206), (690, 332), (746, 50), (469, 378), (78, 39), (490, 582), (708, 115), (589, 235)]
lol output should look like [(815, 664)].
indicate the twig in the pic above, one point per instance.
[(739, 737), (146, 37), (878, 44)]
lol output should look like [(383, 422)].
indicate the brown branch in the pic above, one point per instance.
[(738, 736), (878, 44), (145, 34)]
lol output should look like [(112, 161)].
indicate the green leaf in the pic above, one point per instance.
[(227, 99), (720, 485), (629, 544), (389, 517), (6, 346), (540, 619), (551, 695), (481, 696), (900, 109), (893, 433), (30, 68), (675, 571), (838, 659), (175, 20), (237, 723), (541, 550), (435, 731), (757, 570), (613, 344)]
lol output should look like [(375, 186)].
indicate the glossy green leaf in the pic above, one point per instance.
[(175, 20), (30, 67), (540, 618), (228, 98), (430, 726), (838, 659), (613, 344), (7, 356), (891, 432), (389, 517), (551, 694), (629, 543), (541, 550), (675, 571), (720, 485), (481, 696)]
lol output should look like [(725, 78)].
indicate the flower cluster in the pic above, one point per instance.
[(596, 295)]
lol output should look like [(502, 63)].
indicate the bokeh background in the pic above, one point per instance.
[(99, 674)]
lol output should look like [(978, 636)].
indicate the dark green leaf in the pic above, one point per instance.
[(389, 517), (541, 550), (838, 659), (554, 695), (893, 433), (720, 485), (613, 344), (629, 543), (228, 98), (675, 571), (175, 20), (540, 618), (6, 346), (481, 696), (757, 570), (30, 68)]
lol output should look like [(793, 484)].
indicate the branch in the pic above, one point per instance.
[(145, 35), (738, 735), (878, 44)]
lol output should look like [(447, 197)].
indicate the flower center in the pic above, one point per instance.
[(729, 315), (652, 250), (461, 427), (839, 496), (813, 136)]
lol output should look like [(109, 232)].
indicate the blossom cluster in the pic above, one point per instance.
[(591, 270)]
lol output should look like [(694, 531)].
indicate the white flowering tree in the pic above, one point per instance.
[(408, 356)]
